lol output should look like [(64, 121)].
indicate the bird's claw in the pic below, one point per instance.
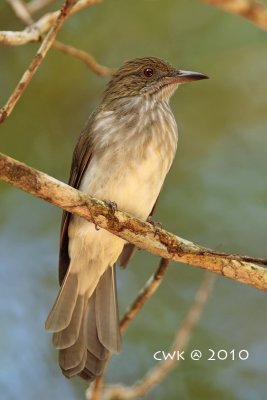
[(112, 205), (97, 228), (156, 225)]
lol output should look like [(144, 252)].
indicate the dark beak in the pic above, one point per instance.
[(181, 76)]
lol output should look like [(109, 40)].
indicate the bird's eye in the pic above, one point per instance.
[(148, 72)]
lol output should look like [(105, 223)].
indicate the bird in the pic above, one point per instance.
[(123, 155)]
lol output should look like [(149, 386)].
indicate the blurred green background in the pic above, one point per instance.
[(215, 195)]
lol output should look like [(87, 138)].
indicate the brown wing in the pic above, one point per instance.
[(80, 161)]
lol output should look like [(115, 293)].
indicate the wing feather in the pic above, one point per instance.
[(81, 158)]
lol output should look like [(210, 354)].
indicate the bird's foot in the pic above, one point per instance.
[(156, 225), (97, 228), (112, 205)]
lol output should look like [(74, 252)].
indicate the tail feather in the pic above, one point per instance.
[(68, 336), (86, 375), (86, 331), (72, 356), (106, 311), (69, 373), (60, 316), (94, 346), (94, 365)]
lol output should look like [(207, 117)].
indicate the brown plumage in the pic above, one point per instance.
[(122, 155)]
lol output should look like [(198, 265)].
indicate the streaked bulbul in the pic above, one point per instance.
[(122, 155)]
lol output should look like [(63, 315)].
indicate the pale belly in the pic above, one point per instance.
[(129, 172), (130, 164), (134, 187)]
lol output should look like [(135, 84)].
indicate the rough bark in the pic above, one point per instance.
[(143, 234)]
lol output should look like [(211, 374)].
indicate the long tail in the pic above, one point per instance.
[(85, 327)]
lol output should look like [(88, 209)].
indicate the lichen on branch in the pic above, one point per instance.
[(142, 234)]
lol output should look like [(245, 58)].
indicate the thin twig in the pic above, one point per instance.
[(33, 32), (159, 372), (252, 10), (36, 5), (142, 234), (21, 11), (95, 391), (37, 60), (87, 58), (181, 340), (147, 291)]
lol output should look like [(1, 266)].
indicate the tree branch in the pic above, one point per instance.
[(94, 391), (37, 60), (84, 56), (146, 292), (249, 9), (142, 234), (36, 5), (33, 32), (133, 230), (21, 11)]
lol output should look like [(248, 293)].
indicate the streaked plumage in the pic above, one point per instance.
[(122, 155)]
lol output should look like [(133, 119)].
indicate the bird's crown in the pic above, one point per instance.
[(135, 76)]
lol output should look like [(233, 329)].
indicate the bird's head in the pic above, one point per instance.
[(149, 77)]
